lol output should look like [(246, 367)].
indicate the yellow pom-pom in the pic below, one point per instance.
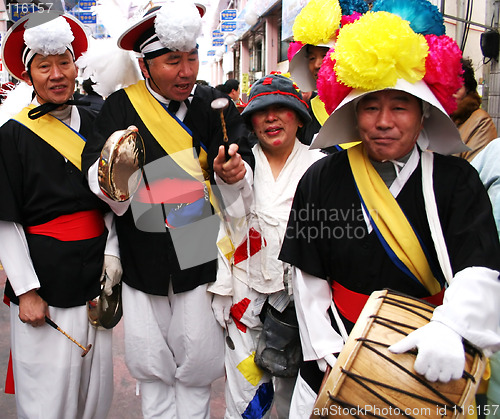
[(377, 50), (318, 22)]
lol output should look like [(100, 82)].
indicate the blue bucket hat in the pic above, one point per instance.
[(275, 89)]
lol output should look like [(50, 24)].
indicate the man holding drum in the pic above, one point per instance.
[(390, 213), (174, 346), (53, 233)]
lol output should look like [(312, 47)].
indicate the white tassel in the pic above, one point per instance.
[(178, 25), (16, 99), (110, 67), (51, 38)]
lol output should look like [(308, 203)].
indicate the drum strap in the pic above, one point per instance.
[(173, 136), (390, 223), (56, 133)]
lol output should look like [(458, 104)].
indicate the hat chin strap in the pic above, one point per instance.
[(47, 107)]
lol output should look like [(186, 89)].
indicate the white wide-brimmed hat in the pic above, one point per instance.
[(382, 50), (440, 133), (49, 37), (317, 25)]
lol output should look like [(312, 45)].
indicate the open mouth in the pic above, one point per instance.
[(273, 130)]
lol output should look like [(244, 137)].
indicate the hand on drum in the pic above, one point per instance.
[(441, 355)]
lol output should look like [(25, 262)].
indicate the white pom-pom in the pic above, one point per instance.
[(15, 101), (110, 67), (50, 38), (178, 25)]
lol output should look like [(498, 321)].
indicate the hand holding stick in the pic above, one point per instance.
[(220, 104), (55, 326)]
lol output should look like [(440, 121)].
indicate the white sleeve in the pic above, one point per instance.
[(119, 208), (223, 284), (237, 197), (313, 298), (112, 247), (471, 307), (15, 257)]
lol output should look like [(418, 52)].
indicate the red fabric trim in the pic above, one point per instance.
[(171, 191), (237, 311), (81, 225), (350, 303), (278, 92), (9, 380), (241, 253)]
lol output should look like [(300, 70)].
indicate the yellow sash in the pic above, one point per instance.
[(172, 137), (319, 111), (390, 219), (55, 133)]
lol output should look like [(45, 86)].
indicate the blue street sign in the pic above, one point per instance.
[(217, 42), (217, 34), (228, 26), (211, 53), (87, 18), (228, 14), (86, 4), (19, 10)]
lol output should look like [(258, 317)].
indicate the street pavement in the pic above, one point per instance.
[(125, 405)]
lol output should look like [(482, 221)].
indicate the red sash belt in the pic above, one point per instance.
[(350, 303), (81, 225)]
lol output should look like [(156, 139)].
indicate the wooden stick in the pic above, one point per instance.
[(55, 326)]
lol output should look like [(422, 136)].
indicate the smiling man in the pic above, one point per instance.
[(413, 220), (174, 346), (53, 237)]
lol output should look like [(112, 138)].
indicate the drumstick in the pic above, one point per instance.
[(219, 105), (55, 326), (325, 377)]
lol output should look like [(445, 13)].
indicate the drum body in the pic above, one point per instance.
[(369, 381)]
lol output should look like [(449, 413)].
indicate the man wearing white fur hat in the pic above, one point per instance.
[(174, 346), (54, 234), (390, 213)]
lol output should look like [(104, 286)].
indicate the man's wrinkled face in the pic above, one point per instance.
[(173, 74), (53, 77), (389, 123)]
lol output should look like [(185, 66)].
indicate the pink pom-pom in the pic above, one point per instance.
[(444, 70), (345, 20), (293, 48), (330, 90)]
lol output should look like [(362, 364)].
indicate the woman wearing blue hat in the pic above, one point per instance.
[(252, 288)]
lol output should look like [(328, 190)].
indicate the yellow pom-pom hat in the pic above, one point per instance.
[(316, 24), (381, 51)]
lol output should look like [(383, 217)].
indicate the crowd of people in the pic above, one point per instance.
[(226, 253)]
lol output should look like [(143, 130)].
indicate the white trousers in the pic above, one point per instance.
[(52, 380), (174, 347), (303, 400)]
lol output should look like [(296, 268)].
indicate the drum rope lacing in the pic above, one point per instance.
[(367, 343)]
